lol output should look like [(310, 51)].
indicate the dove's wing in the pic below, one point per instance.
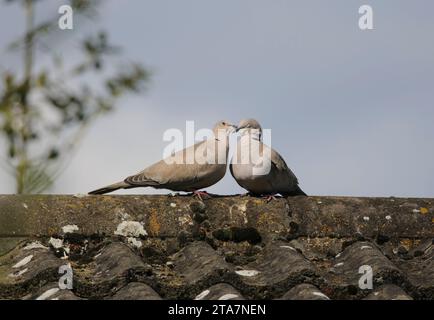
[(176, 173)]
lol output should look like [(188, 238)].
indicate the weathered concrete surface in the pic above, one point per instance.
[(231, 218)]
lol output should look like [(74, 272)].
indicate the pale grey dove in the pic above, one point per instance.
[(191, 169), (257, 177)]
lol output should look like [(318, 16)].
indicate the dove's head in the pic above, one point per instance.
[(250, 127), (224, 127)]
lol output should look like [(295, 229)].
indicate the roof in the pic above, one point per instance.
[(177, 247)]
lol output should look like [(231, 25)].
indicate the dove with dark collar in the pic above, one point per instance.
[(268, 176), (191, 169)]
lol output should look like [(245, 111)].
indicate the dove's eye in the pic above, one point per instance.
[(223, 123)]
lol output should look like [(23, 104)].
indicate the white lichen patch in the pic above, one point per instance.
[(130, 229), (388, 218), (365, 247), (80, 195), (338, 255), (320, 294), (47, 294), (35, 245), (56, 243), (247, 273), (122, 214), (185, 219), (242, 207), (245, 220), (240, 210), (25, 205), (202, 295), (340, 264), (134, 242), (228, 296), (23, 262), (366, 218), (70, 228), (173, 204)]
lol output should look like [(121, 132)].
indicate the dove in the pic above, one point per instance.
[(267, 177), (191, 169)]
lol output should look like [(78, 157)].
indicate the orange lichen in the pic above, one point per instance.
[(409, 243), (154, 225), (424, 210)]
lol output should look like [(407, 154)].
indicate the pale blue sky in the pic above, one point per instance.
[(351, 111)]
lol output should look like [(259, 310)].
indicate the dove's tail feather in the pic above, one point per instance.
[(112, 187), (296, 192)]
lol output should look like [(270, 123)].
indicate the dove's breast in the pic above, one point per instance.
[(251, 175)]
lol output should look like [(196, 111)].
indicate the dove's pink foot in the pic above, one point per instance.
[(201, 194), (270, 197)]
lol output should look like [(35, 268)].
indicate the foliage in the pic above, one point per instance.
[(44, 112)]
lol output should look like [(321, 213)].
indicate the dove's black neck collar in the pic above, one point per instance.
[(255, 134)]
